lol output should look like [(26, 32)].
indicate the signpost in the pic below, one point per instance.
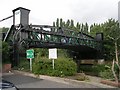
[(30, 55), (53, 55)]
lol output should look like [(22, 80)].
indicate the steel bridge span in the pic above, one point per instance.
[(45, 36)]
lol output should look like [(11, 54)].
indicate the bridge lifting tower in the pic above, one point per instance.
[(20, 19)]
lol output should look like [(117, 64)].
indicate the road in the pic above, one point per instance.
[(22, 81)]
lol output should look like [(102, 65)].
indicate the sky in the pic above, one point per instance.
[(44, 12)]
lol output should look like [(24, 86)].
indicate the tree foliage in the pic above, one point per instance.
[(69, 24), (5, 52), (5, 47), (110, 29)]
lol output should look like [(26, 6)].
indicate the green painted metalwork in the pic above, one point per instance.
[(58, 36)]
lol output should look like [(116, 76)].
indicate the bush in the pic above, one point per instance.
[(66, 66), (5, 52), (63, 67), (98, 68), (85, 68), (107, 74), (102, 70), (24, 65)]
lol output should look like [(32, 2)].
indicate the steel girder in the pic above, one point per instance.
[(43, 35)]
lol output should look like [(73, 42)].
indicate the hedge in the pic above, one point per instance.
[(63, 67)]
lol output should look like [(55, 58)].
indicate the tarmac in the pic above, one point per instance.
[(93, 80)]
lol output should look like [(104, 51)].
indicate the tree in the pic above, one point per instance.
[(4, 29), (113, 34), (111, 42), (54, 24), (61, 22), (57, 22), (95, 28), (53, 29), (86, 28), (5, 47), (107, 44), (82, 28), (78, 25), (72, 24), (67, 23)]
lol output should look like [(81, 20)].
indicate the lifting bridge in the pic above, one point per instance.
[(21, 34)]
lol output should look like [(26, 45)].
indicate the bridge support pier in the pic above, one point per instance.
[(78, 65), (15, 54)]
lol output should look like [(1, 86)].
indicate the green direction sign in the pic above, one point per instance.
[(30, 53)]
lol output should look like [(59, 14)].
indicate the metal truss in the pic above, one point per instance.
[(49, 36)]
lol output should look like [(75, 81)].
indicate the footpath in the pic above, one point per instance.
[(95, 81)]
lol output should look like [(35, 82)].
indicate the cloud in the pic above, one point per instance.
[(46, 11)]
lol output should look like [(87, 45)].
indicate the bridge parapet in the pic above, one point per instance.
[(59, 31)]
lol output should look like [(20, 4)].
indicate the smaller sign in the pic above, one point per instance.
[(53, 53), (30, 53)]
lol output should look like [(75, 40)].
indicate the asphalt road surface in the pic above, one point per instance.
[(22, 81)]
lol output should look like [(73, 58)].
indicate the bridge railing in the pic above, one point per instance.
[(38, 36), (59, 31)]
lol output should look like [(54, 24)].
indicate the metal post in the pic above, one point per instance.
[(15, 54), (30, 64), (53, 63)]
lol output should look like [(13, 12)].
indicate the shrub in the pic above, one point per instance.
[(98, 69), (23, 65), (66, 66), (85, 68), (63, 67), (107, 74), (5, 52)]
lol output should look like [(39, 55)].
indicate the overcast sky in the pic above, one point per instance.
[(44, 12)]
